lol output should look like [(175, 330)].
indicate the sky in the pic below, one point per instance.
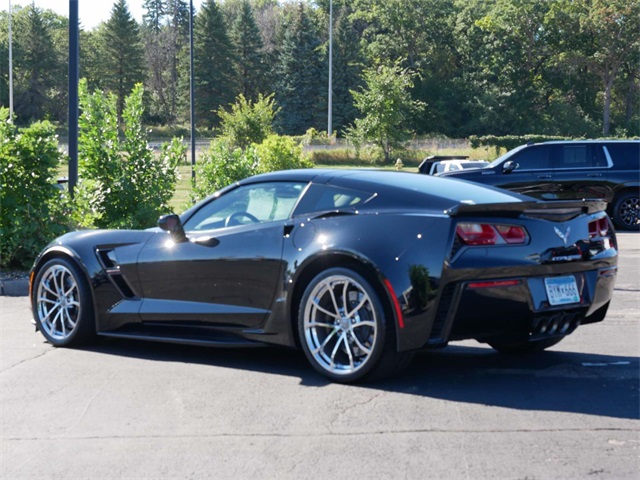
[(91, 12)]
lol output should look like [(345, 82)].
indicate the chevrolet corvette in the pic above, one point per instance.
[(357, 268)]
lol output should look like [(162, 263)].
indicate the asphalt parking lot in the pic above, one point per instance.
[(124, 409)]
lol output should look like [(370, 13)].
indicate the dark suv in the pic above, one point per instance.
[(571, 170)]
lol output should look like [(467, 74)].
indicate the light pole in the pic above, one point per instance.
[(329, 113), (74, 75), (192, 96), (10, 66)]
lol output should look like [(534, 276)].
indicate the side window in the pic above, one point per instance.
[(534, 158), (264, 202), (581, 156), (625, 155), (320, 198)]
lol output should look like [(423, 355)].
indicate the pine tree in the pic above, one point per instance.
[(35, 65), (154, 13), (347, 70), (249, 55), (124, 54), (213, 64), (299, 90)]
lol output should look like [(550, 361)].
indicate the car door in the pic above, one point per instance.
[(227, 272), (581, 171), (529, 172)]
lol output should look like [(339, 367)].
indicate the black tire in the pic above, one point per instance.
[(626, 211), (62, 304), (347, 344), (525, 347)]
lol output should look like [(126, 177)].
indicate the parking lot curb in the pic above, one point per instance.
[(14, 287)]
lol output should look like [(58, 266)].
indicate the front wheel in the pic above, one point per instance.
[(525, 347), (62, 305), (343, 328)]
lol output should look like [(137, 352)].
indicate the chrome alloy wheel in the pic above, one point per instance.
[(58, 302), (340, 325)]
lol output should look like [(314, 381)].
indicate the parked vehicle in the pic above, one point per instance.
[(437, 164), (358, 268), (565, 170)]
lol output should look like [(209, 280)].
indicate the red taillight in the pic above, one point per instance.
[(488, 234), (599, 228)]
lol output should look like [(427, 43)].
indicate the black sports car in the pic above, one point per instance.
[(359, 268)]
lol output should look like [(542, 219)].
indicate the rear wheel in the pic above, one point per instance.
[(525, 347), (343, 329), (626, 211), (62, 305)]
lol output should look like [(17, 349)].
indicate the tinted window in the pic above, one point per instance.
[(625, 155), (320, 198), (534, 158), (264, 202), (581, 156)]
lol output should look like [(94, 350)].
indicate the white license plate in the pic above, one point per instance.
[(562, 290)]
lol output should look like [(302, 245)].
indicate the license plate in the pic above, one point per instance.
[(562, 290)]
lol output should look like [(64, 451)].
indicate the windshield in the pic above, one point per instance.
[(506, 156)]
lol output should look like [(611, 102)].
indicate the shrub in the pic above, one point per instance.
[(248, 122), (279, 152), (224, 164), (220, 166), (30, 206), (124, 185)]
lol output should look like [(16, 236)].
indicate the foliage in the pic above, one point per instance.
[(224, 164), (30, 203), (248, 122), (298, 89), (279, 152), (123, 183), (314, 137), (249, 55), (386, 105), (121, 42), (213, 63), (220, 166)]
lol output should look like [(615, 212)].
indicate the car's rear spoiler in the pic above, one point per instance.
[(552, 210)]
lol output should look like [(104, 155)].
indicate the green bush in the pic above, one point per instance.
[(248, 122), (278, 152), (220, 166), (31, 207), (123, 184), (224, 164)]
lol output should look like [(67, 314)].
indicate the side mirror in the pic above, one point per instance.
[(172, 224), (509, 166)]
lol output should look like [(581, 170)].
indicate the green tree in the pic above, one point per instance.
[(213, 63), (299, 89), (123, 182), (30, 214), (154, 10), (612, 28), (348, 62), (249, 56), (37, 67), (123, 62), (248, 122), (386, 105)]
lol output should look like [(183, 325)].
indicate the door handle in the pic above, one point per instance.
[(206, 241)]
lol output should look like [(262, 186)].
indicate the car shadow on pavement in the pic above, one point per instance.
[(585, 383)]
